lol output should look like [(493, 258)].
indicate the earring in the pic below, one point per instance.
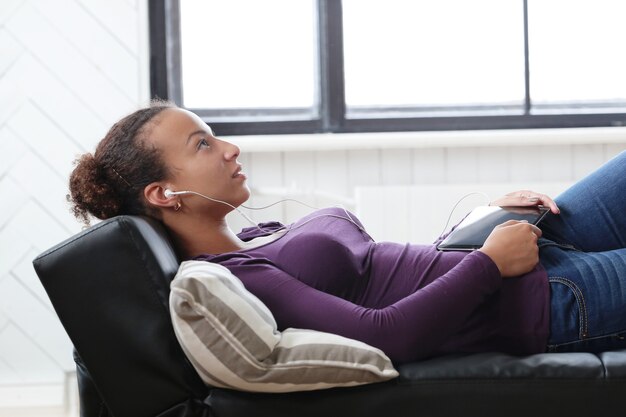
[(177, 206)]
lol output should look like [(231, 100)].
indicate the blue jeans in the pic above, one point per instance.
[(584, 252)]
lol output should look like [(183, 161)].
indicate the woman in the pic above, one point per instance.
[(522, 292)]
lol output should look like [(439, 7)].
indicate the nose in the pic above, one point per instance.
[(231, 151)]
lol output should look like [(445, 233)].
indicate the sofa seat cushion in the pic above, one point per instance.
[(501, 366), (485, 385)]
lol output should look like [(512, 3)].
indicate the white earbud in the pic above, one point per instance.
[(169, 193)]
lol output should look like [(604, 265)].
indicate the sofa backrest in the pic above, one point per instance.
[(110, 286)]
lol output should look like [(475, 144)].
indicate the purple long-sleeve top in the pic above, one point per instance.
[(411, 301)]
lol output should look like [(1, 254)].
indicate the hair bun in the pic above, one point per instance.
[(110, 182), (91, 192)]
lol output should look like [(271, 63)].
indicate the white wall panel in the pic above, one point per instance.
[(364, 167), (493, 164), (8, 187), (12, 247), (3, 322), (397, 212), (299, 172), (118, 18), (7, 8), (23, 271), (68, 70), (67, 108), (47, 189), (10, 51), (266, 171), (555, 163), (8, 376), (613, 149), (101, 48), (525, 165), (331, 172), (429, 165), (462, 165), (29, 362), (34, 319), (11, 148), (420, 213), (235, 221), (395, 166), (34, 128), (11, 87), (586, 158), (515, 167), (65, 62)]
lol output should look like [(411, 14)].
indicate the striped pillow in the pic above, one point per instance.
[(232, 340)]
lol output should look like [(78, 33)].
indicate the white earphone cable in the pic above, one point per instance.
[(348, 218), (169, 193), (459, 202), (288, 228)]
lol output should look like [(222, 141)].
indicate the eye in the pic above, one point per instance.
[(202, 143)]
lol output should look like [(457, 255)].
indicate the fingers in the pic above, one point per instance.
[(536, 231), (523, 223), (531, 198), (513, 247), (533, 229), (510, 223), (548, 202), (523, 200)]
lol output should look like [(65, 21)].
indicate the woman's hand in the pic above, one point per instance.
[(512, 246), (526, 198)]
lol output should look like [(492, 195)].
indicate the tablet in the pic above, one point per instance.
[(472, 232)]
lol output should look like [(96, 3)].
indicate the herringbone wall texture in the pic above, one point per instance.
[(68, 70)]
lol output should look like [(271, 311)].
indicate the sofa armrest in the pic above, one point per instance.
[(109, 285), (91, 404)]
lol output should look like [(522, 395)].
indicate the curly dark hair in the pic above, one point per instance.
[(110, 182)]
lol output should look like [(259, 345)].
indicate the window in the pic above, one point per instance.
[(575, 64), (303, 66), (270, 66), (417, 54)]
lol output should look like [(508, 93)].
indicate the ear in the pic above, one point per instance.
[(154, 194)]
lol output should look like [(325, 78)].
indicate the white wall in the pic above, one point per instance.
[(70, 68), (340, 172)]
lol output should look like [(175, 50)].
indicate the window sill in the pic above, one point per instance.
[(404, 140)]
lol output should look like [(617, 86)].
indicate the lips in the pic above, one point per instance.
[(237, 172)]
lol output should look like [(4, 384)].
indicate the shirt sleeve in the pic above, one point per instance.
[(410, 329)]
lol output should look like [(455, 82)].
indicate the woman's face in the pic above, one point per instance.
[(198, 161)]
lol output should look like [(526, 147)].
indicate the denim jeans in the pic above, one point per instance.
[(584, 252)]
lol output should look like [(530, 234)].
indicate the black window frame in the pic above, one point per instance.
[(331, 115)]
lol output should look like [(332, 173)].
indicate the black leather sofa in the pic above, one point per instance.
[(110, 285)]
